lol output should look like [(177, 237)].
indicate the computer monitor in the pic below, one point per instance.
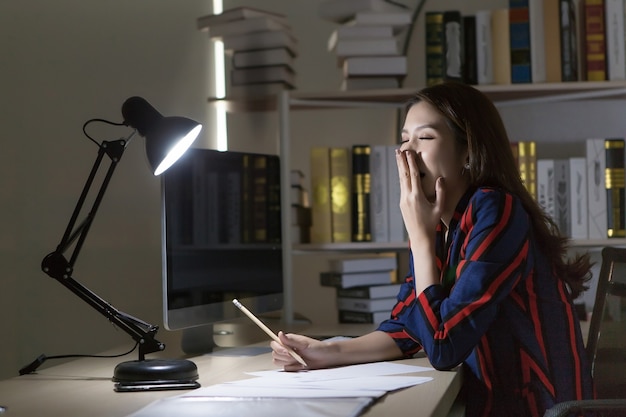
[(221, 240)]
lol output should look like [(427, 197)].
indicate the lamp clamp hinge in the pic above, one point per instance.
[(114, 149), (56, 266)]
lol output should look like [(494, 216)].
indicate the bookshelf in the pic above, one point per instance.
[(502, 95), (304, 248)]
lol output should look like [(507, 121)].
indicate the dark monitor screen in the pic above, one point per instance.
[(221, 237)]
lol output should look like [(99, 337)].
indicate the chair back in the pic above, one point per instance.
[(606, 344)]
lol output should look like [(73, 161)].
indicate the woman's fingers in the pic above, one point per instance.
[(403, 169), (408, 171), (280, 355)]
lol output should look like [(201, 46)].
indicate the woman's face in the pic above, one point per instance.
[(426, 132)]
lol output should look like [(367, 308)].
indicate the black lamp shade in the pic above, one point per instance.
[(167, 138)]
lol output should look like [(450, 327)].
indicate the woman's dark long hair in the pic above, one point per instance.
[(477, 124)]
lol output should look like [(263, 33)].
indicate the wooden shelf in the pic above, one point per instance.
[(502, 95), (598, 243), (304, 248)]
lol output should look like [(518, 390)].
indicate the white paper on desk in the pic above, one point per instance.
[(186, 406), (344, 372), (300, 391), (376, 383)]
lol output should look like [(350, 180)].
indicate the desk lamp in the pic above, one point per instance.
[(167, 138)]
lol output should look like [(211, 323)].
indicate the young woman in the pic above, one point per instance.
[(490, 286)]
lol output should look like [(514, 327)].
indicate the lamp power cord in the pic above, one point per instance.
[(32, 367)]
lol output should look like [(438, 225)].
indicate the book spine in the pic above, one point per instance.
[(501, 50), (537, 40), (596, 188), (397, 232), (453, 45), (373, 66), (552, 31), (340, 195), (470, 65), (569, 41), (527, 160), (578, 198), (595, 41), (370, 291), (545, 186), (379, 202), (484, 50), (614, 177), (365, 305), (356, 292), (331, 279), (615, 46), (361, 188), (532, 168), (435, 58), (363, 317), (365, 47), (262, 58), (368, 265), (356, 279), (561, 187), (301, 215), (321, 230), (519, 32)]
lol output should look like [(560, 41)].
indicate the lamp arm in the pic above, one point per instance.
[(114, 150), (57, 266)]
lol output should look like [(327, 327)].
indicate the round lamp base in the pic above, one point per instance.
[(155, 375)]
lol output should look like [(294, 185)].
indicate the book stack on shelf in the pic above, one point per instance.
[(366, 43), (525, 153), (330, 188), (385, 216), (366, 287), (355, 191), (262, 49), (300, 209), (585, 195), (528, 41)]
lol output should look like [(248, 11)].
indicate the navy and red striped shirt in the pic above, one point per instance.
[(499, 310)]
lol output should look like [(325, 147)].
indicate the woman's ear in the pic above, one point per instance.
[(466, 159)]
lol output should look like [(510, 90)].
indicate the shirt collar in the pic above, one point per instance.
[(460, 209)]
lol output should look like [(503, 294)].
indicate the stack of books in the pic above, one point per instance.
[(366, 288), (585, 195), (300, 209), (355, 194), (367, 43), (261, 46), (331, 207)]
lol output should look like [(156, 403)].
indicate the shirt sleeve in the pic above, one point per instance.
[(487, 257), (396, 326)]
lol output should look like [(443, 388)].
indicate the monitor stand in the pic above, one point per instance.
[(233, 333), (198, 340), (206, 338)]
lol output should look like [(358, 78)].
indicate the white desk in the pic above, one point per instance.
[(84, 388)]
